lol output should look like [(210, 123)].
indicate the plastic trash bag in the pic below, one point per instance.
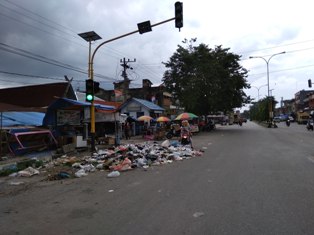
[(80, 173), (28, 172), (113, 174), (165, 143)]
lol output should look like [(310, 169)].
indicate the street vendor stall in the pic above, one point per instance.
[(67, 120)]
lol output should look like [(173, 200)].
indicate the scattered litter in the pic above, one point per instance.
[(28, 172), (166, 143), (111, 191), (198, 214), (112, 160), (113, 174), (15, 174), (80, 173), (64, 175), (16, 183)]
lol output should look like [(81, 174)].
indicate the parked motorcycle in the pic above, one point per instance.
[(173, 132)]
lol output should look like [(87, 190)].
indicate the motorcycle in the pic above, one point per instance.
[(310, 125), (185, 139), (173, 132), (209, 126)]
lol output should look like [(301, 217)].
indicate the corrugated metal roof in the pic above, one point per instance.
[(149, 104)]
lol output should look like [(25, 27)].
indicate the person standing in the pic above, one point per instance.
[(127, 130)]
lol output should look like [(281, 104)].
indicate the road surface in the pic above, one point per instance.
[(250, 180)]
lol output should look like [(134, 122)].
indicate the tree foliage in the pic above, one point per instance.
[(259, 111), (206, 80)]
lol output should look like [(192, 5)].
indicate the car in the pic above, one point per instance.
[(277, 119)]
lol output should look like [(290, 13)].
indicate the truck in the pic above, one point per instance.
[(302, 117)]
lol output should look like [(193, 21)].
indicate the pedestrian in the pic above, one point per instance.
[(127, 130)]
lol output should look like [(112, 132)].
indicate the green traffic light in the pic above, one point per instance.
[(89, 97)]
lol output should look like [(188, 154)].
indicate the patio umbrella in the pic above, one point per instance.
[(186, 116), (144, 118), (162, 119)]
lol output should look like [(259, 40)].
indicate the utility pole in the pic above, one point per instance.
[(125, 76)]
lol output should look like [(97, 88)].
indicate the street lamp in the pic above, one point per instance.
[(258, 90), (89, 37), (267, 66)]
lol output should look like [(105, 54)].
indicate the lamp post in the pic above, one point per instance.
[(267, 66), (89, 37), (258, 90)]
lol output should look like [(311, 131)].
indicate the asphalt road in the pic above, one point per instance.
[(250, 180)]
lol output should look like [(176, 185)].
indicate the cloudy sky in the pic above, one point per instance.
[(39, 41)]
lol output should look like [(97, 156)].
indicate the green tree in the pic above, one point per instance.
[(259, 111), (206, 80)]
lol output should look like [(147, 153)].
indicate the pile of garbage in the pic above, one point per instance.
[(116, 159)]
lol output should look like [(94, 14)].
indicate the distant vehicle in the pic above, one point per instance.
[(310, 125), (302, 117), (243, 119), (277, 119)]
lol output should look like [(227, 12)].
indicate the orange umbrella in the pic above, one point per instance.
[(162, 119), (144, 118)]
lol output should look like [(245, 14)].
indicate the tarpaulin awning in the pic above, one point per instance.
[(68, 104), (11, 119), (64, 103)]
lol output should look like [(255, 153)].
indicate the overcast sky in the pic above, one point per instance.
[(39, 38)]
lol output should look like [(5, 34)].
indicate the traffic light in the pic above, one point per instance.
[(310, 82), (89, 90), (178, 6)]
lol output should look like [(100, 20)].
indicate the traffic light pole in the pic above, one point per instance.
[(91, 75)]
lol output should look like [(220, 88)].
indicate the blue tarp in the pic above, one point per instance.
[(64, 103), (11, 119)]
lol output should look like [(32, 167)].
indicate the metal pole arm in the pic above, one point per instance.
[(125, 35)]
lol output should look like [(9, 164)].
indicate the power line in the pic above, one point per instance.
[(43, 59), (49, 25)]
